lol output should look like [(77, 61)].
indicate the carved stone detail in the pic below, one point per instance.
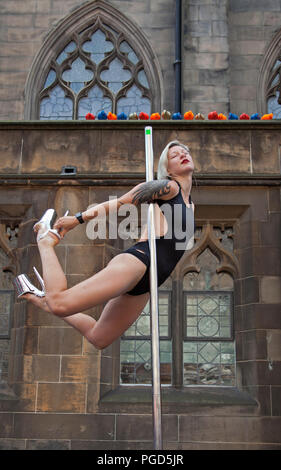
[(208, 239), (7, 235), (268, 73)]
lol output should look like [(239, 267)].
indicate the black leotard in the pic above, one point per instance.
[(168, 250)]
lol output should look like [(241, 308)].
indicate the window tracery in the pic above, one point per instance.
[(97, 70), (208, 338), (274, 91)]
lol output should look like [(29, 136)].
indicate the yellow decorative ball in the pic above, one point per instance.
[(133, 116), (166, 115), (200, 117)]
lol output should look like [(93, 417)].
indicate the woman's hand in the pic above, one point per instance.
[(64, 224)]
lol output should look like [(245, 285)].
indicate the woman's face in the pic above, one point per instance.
[(179, 161)]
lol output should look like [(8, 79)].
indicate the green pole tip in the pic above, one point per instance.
[(147, 131)]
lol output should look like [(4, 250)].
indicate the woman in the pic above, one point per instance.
[(124, 282)]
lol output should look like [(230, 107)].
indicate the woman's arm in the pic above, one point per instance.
[(151, 190), (142, 193), (64, 224)]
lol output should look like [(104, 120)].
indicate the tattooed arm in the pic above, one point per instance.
[(149, 191), (142, 193)]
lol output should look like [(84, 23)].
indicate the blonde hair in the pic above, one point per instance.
[(163, 160)]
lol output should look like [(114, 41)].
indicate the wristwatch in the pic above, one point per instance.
[(79, 217)]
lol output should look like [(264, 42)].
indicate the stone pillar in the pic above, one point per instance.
[(258, 302)]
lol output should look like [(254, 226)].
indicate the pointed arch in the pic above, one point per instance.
[(227, 261), (93, 15), (268, 74)]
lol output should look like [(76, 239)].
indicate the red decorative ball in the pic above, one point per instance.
[(143, 116), (244, 116), (213, 115), (90, 117)]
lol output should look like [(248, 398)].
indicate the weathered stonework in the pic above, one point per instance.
[(224, 47), (64, 394), (59, 392)]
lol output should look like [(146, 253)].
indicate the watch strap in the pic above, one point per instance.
[(79, 217)]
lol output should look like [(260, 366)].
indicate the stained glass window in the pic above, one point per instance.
[(93, 103), (5, 310), (6, 302), (209, 363), (56, 106), (97, 70), (209, 348), (273, 96), (133, 102), (196, 322), (208, 315), (135, 348)]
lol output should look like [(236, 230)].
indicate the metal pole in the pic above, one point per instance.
[(178, 57), (154, 314)]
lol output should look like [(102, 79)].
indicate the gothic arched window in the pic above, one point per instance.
[(274, 91), (195, 319), (96, 60), (269, 85), (8, 241), (208, 338)]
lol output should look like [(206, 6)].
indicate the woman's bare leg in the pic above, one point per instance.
[(80, 321), (119, 276), (117, 316), (53, 275)]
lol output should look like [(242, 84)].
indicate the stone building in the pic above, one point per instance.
[(220, 318)]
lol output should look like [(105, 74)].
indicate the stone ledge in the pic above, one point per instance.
[(222, 396), (129, 179), (139, 124)]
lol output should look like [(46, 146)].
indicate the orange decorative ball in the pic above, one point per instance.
[(155, 117), (111, 116), (266, 117), (188, 116)]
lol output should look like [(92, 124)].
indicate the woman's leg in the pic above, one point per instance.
[(80, 321), (121, 274), (117, 316), (53, 275)]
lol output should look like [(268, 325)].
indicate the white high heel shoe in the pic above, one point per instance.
[(40, 279), (48, 219), (24, 286)]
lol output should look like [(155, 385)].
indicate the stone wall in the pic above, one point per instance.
[(62, 393), (252, 26), (224, 47), (206, 68)]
